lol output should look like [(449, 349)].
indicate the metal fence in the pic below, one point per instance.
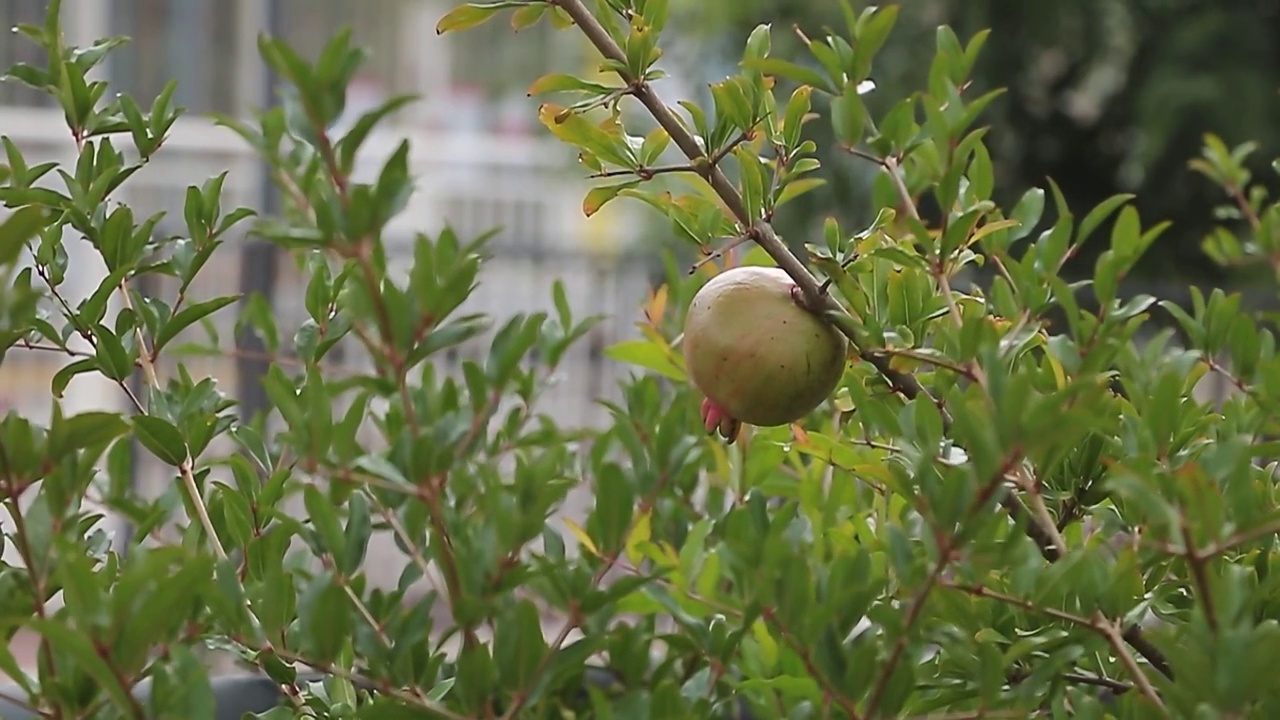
[(472, 183)]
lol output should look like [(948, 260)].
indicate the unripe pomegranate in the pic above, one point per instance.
[(755, 353)]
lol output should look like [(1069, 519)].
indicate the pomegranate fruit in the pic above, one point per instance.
[(755, 354)]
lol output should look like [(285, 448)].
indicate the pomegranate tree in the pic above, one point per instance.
[(755, 353)]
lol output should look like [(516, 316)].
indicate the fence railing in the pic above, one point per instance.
[(471, 182)]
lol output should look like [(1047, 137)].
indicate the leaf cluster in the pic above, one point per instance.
[(1012, 506)]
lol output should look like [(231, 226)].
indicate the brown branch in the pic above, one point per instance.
[(644, 173), (1040, 528), (1199, 576), (379, 631), (763, 233), (723, 152), (359, 253), (383, 687), (900, 645), (574, 621), (892, 167), (927, 359), (981, 715), (1238, 195), (1018, 512), (1213, 550), (947, 552), (1099, 624), (806, 658), (186, 468), (39, 590), (1111, 631), (760, 231), (1119, 686), (1133, 635)]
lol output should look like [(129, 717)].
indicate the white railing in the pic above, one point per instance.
[(470, 181), (474, 183)]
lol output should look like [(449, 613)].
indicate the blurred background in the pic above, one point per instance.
[(480, 157), (1104, 96)]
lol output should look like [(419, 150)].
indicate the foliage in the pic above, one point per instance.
[(1104, 96), (996, 516)]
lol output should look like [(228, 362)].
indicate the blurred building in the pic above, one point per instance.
[(480, 159)]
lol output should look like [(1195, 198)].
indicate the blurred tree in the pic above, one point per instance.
[(1104, 96)]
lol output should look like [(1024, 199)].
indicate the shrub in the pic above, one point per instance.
[(1014, 505)]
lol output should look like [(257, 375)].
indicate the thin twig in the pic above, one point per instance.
[(39, 588), (720, 252), (1118, 686), (644, 173), (383, 687), (573, 622), (1098, 624), (934, 360), (378, 630), (1043, 519), (1199, 576), (981, 715), (892, 167), (900, 645), (828, 686), (401, 532), (1111, 631), (983, 591), (761, 231), (1208, 552), (1237, 194), (360, 252), (185, 468)]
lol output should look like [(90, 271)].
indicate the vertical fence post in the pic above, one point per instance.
[(258, 264)]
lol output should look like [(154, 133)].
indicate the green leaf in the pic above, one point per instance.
[(17, 229), (324, 519), (518, 644), (188, 316), (473, 14), (1099, 215), (610, 519), (527, 16), (791, 71), (284, 397), (162, 438), (113, 359), (872, 34), (85, 430), (67, 373), (573, 128), (648, 354), (326, 617), (63, 638), (798, 107), (796, 188), (759, 42), (598, 196), (1027, 212), (358, 531), (319, 412), (563, 82), (849, 116), (382, 468)]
